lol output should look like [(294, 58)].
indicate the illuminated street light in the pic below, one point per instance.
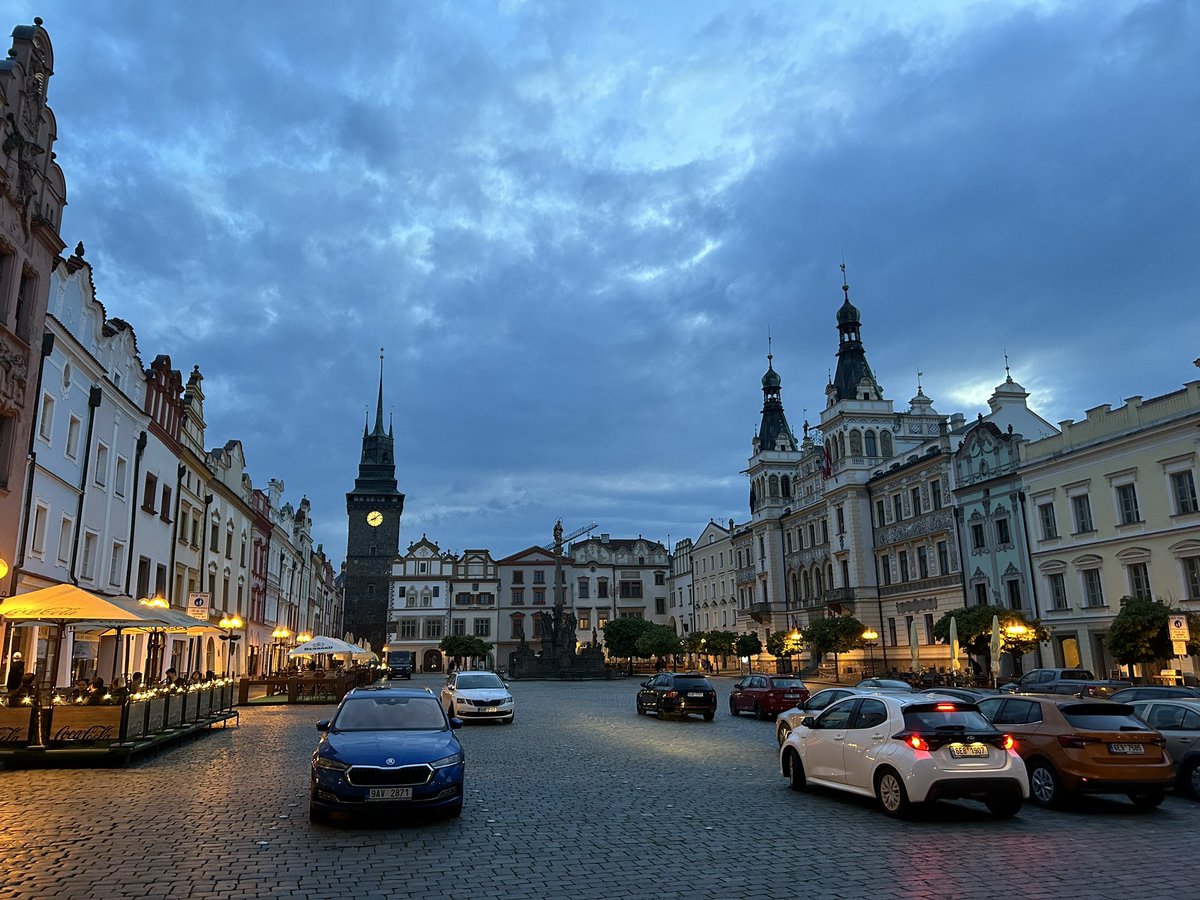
[(870, 636), (230, 623)]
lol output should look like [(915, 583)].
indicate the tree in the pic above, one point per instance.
[(621, 636), (657, 640), (778, 643), (694, 643), (975, 630), (1139, 633), (465, 646), (748, 645), (721, 644), (834, 634)]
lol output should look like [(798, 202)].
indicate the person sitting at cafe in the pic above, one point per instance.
[(210, 675), (136, 685), (118, 693), (96, 692), (25, 690), (79, 692), (196, 677), (169, 678)]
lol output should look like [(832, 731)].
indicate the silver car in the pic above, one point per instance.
[(788, 720), (1179, 723)]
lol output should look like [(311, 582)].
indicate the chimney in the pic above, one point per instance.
[(603, 538)]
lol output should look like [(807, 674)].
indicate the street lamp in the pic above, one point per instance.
[(278, 636), (229, 623), (157, 639), (1015, 632), (870, 636), (303, 637)]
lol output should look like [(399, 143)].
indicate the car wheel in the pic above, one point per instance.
[(795, 771), (890, 791), (709, 716), (758, 713), (641, 709), (1147, 799), (733, 710), (782, 730), (1044, 787), (1190, 780), (1004, 807)]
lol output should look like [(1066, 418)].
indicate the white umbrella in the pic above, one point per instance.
[(914, 646), (322, 644), (954, 663), (995, 647)]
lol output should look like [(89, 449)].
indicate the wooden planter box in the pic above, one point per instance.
[(16, 722), (84, 726), (174, 710), (191, 706), (135, 719), (156, 715)]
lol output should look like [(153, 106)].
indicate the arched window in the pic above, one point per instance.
[(773, 489), (785, 486), (856, 442), (871, 449), (805, 586), (885, 443)]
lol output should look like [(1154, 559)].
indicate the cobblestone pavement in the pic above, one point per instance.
[(580, 798)]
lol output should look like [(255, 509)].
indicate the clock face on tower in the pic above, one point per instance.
[(374, 518)]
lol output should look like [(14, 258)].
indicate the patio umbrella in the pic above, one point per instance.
[(66, 604), (323, 644), (166, 621), (995, 648), (914, 646), (954, 664)]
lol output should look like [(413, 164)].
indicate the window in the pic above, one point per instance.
[(165, 512), (903, 557), (602, 589), (539, 596), (518, 576), (89, 555), (1003, 532), (458, 627), (879, 513), (1013, 588), (1081, 509), (584, 589), (660, 605), (631, 590), (408, 629), (978, 541), (885, 568), (65, 530), (1183, 489), (1046, 517), (117, 563), (1093, 590), (915, 496), (981, 594), (841, 520), (935, 493), (1139, 581), (929, 628), (517, 623), (601, 620), (228, 534), (660, 579), (539, 576), (100, 476), (1127, 505), (585, 620), (1058, 590), (119, 478), (422, 568), (483, 628), (943, 555), (892, 631), (46, 422), (897, 507), (923, 562), (1191, 577), (37, 536), (518, 597), (73, 426)]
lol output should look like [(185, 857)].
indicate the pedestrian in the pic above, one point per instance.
[(16, 671)]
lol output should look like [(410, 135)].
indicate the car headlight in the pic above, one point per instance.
[(326, 762), (446, 761), (507, 701)]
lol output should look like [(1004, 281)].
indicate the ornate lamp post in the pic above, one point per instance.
[(156, 641), (230, 623), (278, 636), (1015, 632), (870, 636)]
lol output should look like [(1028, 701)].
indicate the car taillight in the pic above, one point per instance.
[(1076, 741), (1007, 742), (917, 742), (945, 707)]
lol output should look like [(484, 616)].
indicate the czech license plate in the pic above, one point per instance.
[(791, 696), (1128, 749), (389, 793), (696, 694), (968, 750)]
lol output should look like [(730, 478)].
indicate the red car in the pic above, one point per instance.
[(767, 695)]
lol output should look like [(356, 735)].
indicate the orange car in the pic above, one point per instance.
[(1087, 746)]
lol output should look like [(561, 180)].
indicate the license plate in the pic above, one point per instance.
[(389, 793), (1128, 749), (968, 750), (791, 696), (696, 693)]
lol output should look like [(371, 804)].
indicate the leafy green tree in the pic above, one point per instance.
[(975, 630), (778, 643), (621, 637), (658, 640), (834, 634), (464, 646), (748, 645), (1139, 633)]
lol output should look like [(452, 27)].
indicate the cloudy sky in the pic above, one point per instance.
[(572, 226)]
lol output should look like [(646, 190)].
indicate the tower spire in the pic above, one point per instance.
[(379, 406)]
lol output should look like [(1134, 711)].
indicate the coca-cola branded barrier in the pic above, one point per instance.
[(91, 725), (16, 723)]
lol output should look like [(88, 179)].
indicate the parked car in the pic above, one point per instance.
[(387, 749), (677, 693), (475, 696), (767, 695), (786, 721), (905, 749), (1086, 745), (1153, 692), (885, 684), (1178, 721), (971, 695), (1072, 682)]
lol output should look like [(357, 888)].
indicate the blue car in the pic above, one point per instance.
[(387, 750)]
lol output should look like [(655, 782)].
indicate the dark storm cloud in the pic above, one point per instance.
[(572, 225)]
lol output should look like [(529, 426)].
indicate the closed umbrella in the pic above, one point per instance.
[(954, 664), (914, 646), (995, 649)]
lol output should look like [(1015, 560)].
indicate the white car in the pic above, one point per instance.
[(478, 695), (904, 749)]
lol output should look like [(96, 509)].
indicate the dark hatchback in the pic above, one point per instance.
[(677, 694), (387, 750)]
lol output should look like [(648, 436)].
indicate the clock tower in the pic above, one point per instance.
[(373, 540)]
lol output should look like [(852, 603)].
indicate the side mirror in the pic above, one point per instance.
[(505, 683), (645, 684), (809, 722), (456, 723), (323, 725)]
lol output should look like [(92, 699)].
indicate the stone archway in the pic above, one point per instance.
[(432, 661)]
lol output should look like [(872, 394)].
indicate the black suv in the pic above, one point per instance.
[(678, 693)]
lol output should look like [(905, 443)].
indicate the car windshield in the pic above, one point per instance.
[(390, 714), (478, 681), (951, 718), (1109, 717), (692, 683), (787, 682)]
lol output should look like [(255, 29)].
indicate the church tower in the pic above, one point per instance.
[(373, 540)]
